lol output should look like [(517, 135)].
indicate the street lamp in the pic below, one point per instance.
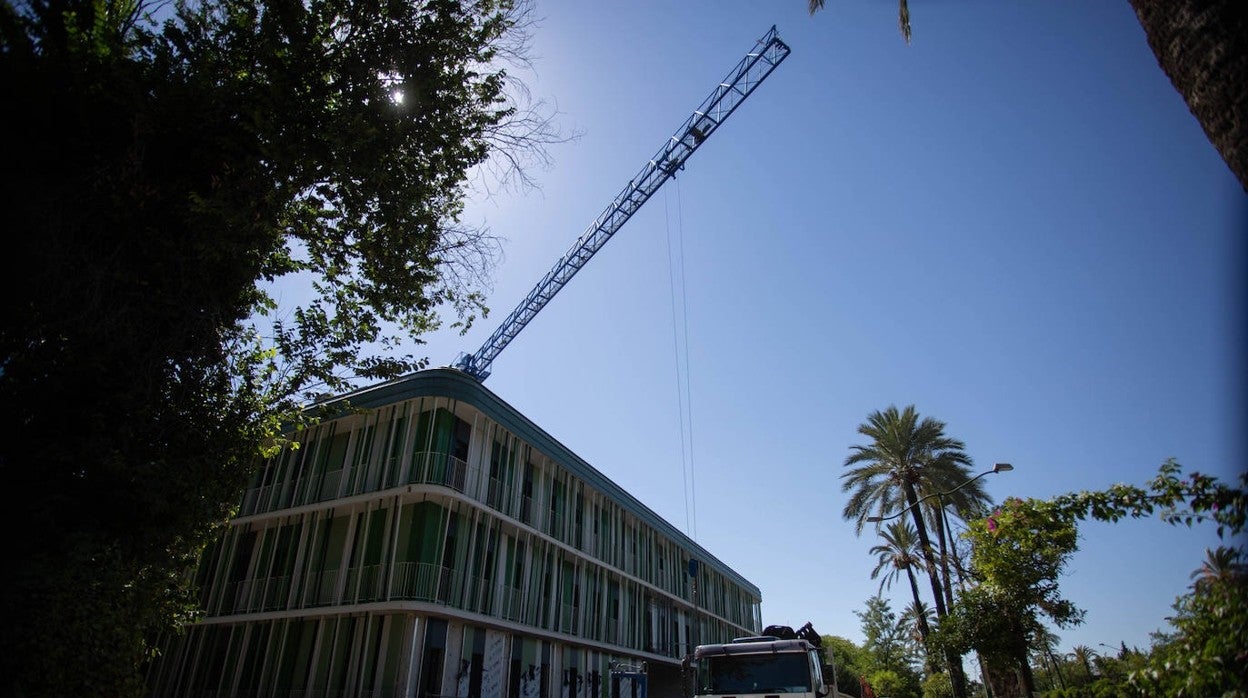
[(998, 468), (1118, 650)]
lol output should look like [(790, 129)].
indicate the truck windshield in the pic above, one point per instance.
[(754, 673)]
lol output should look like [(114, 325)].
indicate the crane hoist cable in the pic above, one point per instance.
[(680, 340), (748, 74)]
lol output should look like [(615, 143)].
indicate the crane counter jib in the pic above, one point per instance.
[(745, 77)]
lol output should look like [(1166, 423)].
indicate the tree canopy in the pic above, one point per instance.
[(165, 164), (889, 644), (1020, 551), (1017, 558)]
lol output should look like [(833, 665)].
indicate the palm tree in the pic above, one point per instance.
[(1083, 656), (917, 616), (906, 455), (1219, 565), (899, 553), (1200, 45), (903, 15)]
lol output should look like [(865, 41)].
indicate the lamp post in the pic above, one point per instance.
[(1119, 651), (959, 690), (944, 520), (998, 468)]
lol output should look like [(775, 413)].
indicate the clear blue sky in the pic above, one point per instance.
[(1013, 223)]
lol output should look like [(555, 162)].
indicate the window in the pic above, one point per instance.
[(755, 673)]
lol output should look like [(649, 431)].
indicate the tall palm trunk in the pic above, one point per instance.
[(1202, 46), (924, 629), (956, 676), (925, 544), (943, 535)]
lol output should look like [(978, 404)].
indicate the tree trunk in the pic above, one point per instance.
[(1004, 682), (924, 630), (1057, 669), (954, 662), (943, 531), (1202, 46), (925, 544), (1024, 670), (918, 604)]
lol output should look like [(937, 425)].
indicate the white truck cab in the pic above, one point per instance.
[(764, 666)]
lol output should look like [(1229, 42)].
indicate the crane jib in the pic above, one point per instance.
[(745, 77)]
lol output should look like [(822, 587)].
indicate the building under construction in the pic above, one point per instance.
[(432, 541)]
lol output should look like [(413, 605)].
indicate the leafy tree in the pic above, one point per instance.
[(1196, 498), (1200, 45), (905, 457), (890, 684), (937, 686), (158, 175), (852, 663), (1208, 650), (1018, 555), (1201, 656), (1113, 672), (887, 643)]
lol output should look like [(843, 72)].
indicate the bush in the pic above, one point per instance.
[(938, 686), (886, 684)]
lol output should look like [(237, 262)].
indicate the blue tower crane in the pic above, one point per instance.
[(705, 120)]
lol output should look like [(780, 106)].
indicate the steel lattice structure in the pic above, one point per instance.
[(748, 74)]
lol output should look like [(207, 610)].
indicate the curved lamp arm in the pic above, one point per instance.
[(998, 468)]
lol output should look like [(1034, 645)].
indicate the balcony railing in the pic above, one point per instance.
[(421, 581), (432, 467), (426, 467), (366, 583), (320, 589)]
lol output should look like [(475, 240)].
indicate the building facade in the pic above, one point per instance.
[(432, 541)]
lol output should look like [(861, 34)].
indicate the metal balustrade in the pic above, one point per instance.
[(320, 588), (365, 583), (420, 581)]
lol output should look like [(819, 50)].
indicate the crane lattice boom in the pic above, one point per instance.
[(705, 120)]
